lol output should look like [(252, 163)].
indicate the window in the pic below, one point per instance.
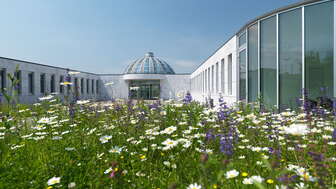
[(146, 66), (18, 77), (42, 83), (212, 79), (290, 58), (52, 84), (319, 31), (230, 74), (217, 81), (61, 86), (268, 65), (3, 77), (253, 63), (206, 81), (209, 80), (76, 85), (82, 85), (203, 81), (31, 83), (242, 75), (68, 79), (242, 39), (97, 86), (92, 86), (222, 76), (87, 86)]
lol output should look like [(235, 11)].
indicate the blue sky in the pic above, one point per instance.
[(104, 36)]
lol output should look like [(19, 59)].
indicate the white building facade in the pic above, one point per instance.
[(277, 58), (272, 58)]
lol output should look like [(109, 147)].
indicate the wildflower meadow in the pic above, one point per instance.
[(173, 144)]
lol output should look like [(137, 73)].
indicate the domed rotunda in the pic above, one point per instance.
[(149, 65), (146, 77)]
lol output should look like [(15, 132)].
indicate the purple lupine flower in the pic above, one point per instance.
[(117, 107), (72, 110), (316, 156), (221, 99), (226, 146), (294, 178), (306, 102), (188, 98), (334, 135), (334, 106), (209, 136), (221, 102), (153, 106), (221, 115)]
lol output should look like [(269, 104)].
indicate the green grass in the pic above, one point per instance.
[(32, 152)]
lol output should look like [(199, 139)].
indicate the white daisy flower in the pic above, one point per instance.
[(232, 174), (194, 186), (54, 180)]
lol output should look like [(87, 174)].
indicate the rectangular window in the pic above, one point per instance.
[(76, 85), (222, 76), (31, 83), (61, 86), (68, 79), (18, 77), (242, 75), (319, 41), (217, 81), (205, 80), (290, 58), (82, 86), (92, 86), (52, 84), (268, 62), (87, 86), (242, 39), (253, 63), (202, 82), (42, 83), (230, 74), (212, 79), (3, 77), (209, 80), (97, 86)]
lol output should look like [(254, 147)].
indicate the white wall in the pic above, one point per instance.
[(37, 69), (119, 88), (174, 84), (230, 47), (170, 84)]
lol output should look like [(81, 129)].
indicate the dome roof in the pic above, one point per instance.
[(149, 65)]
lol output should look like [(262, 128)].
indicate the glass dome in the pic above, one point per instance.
[(149, 65)]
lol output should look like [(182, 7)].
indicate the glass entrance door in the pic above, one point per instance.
[(144, 89)]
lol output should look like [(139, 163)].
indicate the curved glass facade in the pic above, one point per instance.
[(319, 43), (286, 52), (290, 58), (242, 77), (268, 64), (253, 63)]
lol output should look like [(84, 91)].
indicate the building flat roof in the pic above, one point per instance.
[(38, 64)]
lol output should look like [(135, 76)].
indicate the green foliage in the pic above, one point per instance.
[(129, 143), (11, 94)]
